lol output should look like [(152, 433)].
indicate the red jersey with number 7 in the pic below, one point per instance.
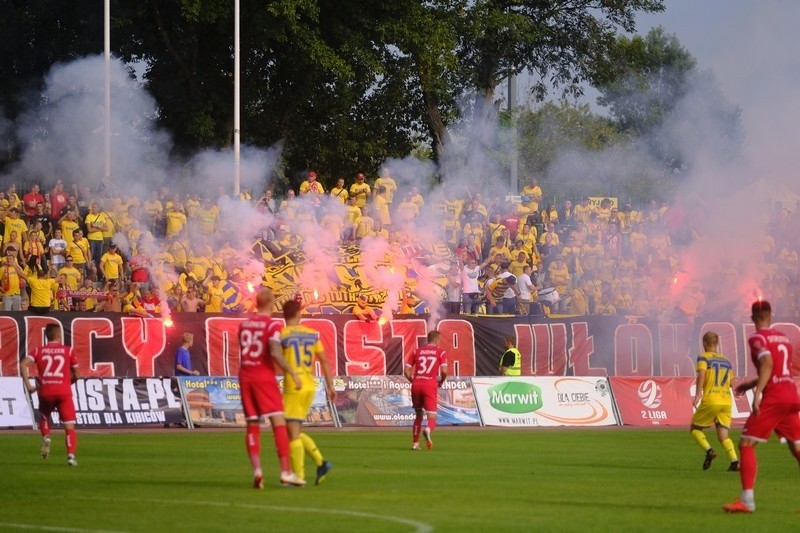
[(54, 362), (426, 361), (780, 388), (255, 335)]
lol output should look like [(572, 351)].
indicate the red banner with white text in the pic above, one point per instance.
[(597, 346)]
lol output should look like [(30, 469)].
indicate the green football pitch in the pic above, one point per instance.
[(473, 480)]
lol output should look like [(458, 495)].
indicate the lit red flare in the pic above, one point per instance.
[(250, 287), (316, 295), (168, 322)]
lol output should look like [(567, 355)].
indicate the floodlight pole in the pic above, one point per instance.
[(514, 156), (237, 163), (107, 88)]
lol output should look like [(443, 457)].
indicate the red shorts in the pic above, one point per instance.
[(779, 417), (261, 398), (62, 403), (425, 396)]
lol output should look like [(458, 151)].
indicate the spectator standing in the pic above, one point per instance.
[(58, 250), (10, 287), (30, 200), (360, 190), (339, 193), (453, 290), (470, 286), (386, 180), (183, 359)]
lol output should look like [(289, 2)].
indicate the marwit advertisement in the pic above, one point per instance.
[(544, 401)]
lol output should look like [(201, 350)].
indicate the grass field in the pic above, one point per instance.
[(473, 480)]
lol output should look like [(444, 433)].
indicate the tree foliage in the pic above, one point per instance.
[(341, 84)]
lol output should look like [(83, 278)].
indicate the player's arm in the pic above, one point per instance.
[(408, 371), (698, 393), (442, 374), (276, 350), (507, 362), (741, 388), (326, 371), (25, 373), (764, 373), (75, 373)]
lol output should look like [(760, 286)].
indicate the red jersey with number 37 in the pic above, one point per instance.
[(780, 388), (255, 334), (426, 361), (54, 362)]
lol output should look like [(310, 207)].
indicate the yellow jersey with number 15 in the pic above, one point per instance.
[(300, 345)]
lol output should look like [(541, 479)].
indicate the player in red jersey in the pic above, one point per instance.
[(260, 344), (427, 370), (775, 402), (58, 369)]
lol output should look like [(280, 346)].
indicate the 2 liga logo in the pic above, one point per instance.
[(649, 394)]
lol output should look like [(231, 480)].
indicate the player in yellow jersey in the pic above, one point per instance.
[(712, 400), (301, 346)]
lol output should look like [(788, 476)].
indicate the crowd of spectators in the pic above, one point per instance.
[(97, 250)]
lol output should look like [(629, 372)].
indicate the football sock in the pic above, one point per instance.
[(71, 440), (311, 449), (298, 456), (701, 439), (748, 467), (431, 423), (416, 429), (749, 498), (253, 442), (730, 449), (44, 426), (282, 446)]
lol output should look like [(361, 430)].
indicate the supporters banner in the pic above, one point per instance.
[(217, 402), (386, 401), (15, 412), (544, 401), (117, 345), (123, 402)]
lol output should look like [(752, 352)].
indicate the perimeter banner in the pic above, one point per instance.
[(15, 412), (217, 402), (545, 401), (109, 345), (123, 402), (386, 401), (668, 401)]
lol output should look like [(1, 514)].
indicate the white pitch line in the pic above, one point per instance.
[(38, 527), (419, 527)]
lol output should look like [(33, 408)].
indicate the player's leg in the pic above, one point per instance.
[(703, 417), (297, 456), (416, 428), (757, 429), (66, 410), (282, 446), (252, 436), (44, 426), (430, 405), (723, 423)]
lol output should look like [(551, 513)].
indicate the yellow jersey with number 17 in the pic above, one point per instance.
[(718, 379), (301, 345)]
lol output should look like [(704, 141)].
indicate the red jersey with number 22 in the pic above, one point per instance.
[(426, 361), (780, 388), (54, 361), (255, 334)]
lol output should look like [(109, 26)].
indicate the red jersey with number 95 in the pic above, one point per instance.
[(255, 334), (426, 361), (54, 362), (780, 388)]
